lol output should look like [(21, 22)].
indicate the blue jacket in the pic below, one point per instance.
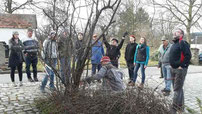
[(97, 53), (147, 56)]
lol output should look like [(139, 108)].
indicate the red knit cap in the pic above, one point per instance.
[(105, 59), (132, 36)]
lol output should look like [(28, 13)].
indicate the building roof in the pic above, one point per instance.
[(19, 21)]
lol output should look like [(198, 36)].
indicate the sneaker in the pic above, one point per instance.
[(21, 84), (130, 81), (14, 85), (131, 84), (165, 90), (166, 93), (141, 86), (99, 81), (30, 80), (36, 79)]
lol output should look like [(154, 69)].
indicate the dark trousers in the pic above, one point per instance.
[(178, 76), (94, 67), (19, 67), (31, 60), (130, 66), (161, 71)]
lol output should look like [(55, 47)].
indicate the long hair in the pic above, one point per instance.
[(145, 41), (13, 37)]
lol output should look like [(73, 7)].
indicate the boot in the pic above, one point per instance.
[(14, 85)]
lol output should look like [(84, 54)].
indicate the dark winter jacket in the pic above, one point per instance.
[(16, 56), (113, 52), (79, 48), (130, 52), (79, 44), (97, 52), (64, 46), (175, 54)]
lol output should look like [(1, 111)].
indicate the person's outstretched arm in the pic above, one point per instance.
[(121, 44), (97, 76), (105, 42)]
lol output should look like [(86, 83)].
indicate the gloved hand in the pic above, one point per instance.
[(104, 37), (125, 34)]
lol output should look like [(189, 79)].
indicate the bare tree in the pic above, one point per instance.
[(187, 12), (10, 6), (65, 14)]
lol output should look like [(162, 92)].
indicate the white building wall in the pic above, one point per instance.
[(199, 46), (6, 34)]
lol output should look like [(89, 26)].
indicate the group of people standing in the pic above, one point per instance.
[(20, 51), (136, 56), (27, 50), (174, 59)]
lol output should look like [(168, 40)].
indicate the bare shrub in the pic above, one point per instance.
[(132, 101)]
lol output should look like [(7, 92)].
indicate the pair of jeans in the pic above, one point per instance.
[(63, 68), (94, 67), (167, 76), (31, 60), (19, 67), (130, 66), (49, 73), (178, 76), (137, 66)]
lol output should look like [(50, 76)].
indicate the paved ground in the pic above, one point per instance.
[(192, 85), (18, 100), (21, 99)]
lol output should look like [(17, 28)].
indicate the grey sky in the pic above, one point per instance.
[(42, 20)]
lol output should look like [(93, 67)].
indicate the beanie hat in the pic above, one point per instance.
[(15, 33), (164, 38), (132, 36), (115, 40), (105, 59), (52, 32), (29, 29)]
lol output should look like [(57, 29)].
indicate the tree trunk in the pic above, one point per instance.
[(189, 22), (188, 35), (9, 7)]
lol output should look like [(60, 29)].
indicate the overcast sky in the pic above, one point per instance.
[(42, 21)]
